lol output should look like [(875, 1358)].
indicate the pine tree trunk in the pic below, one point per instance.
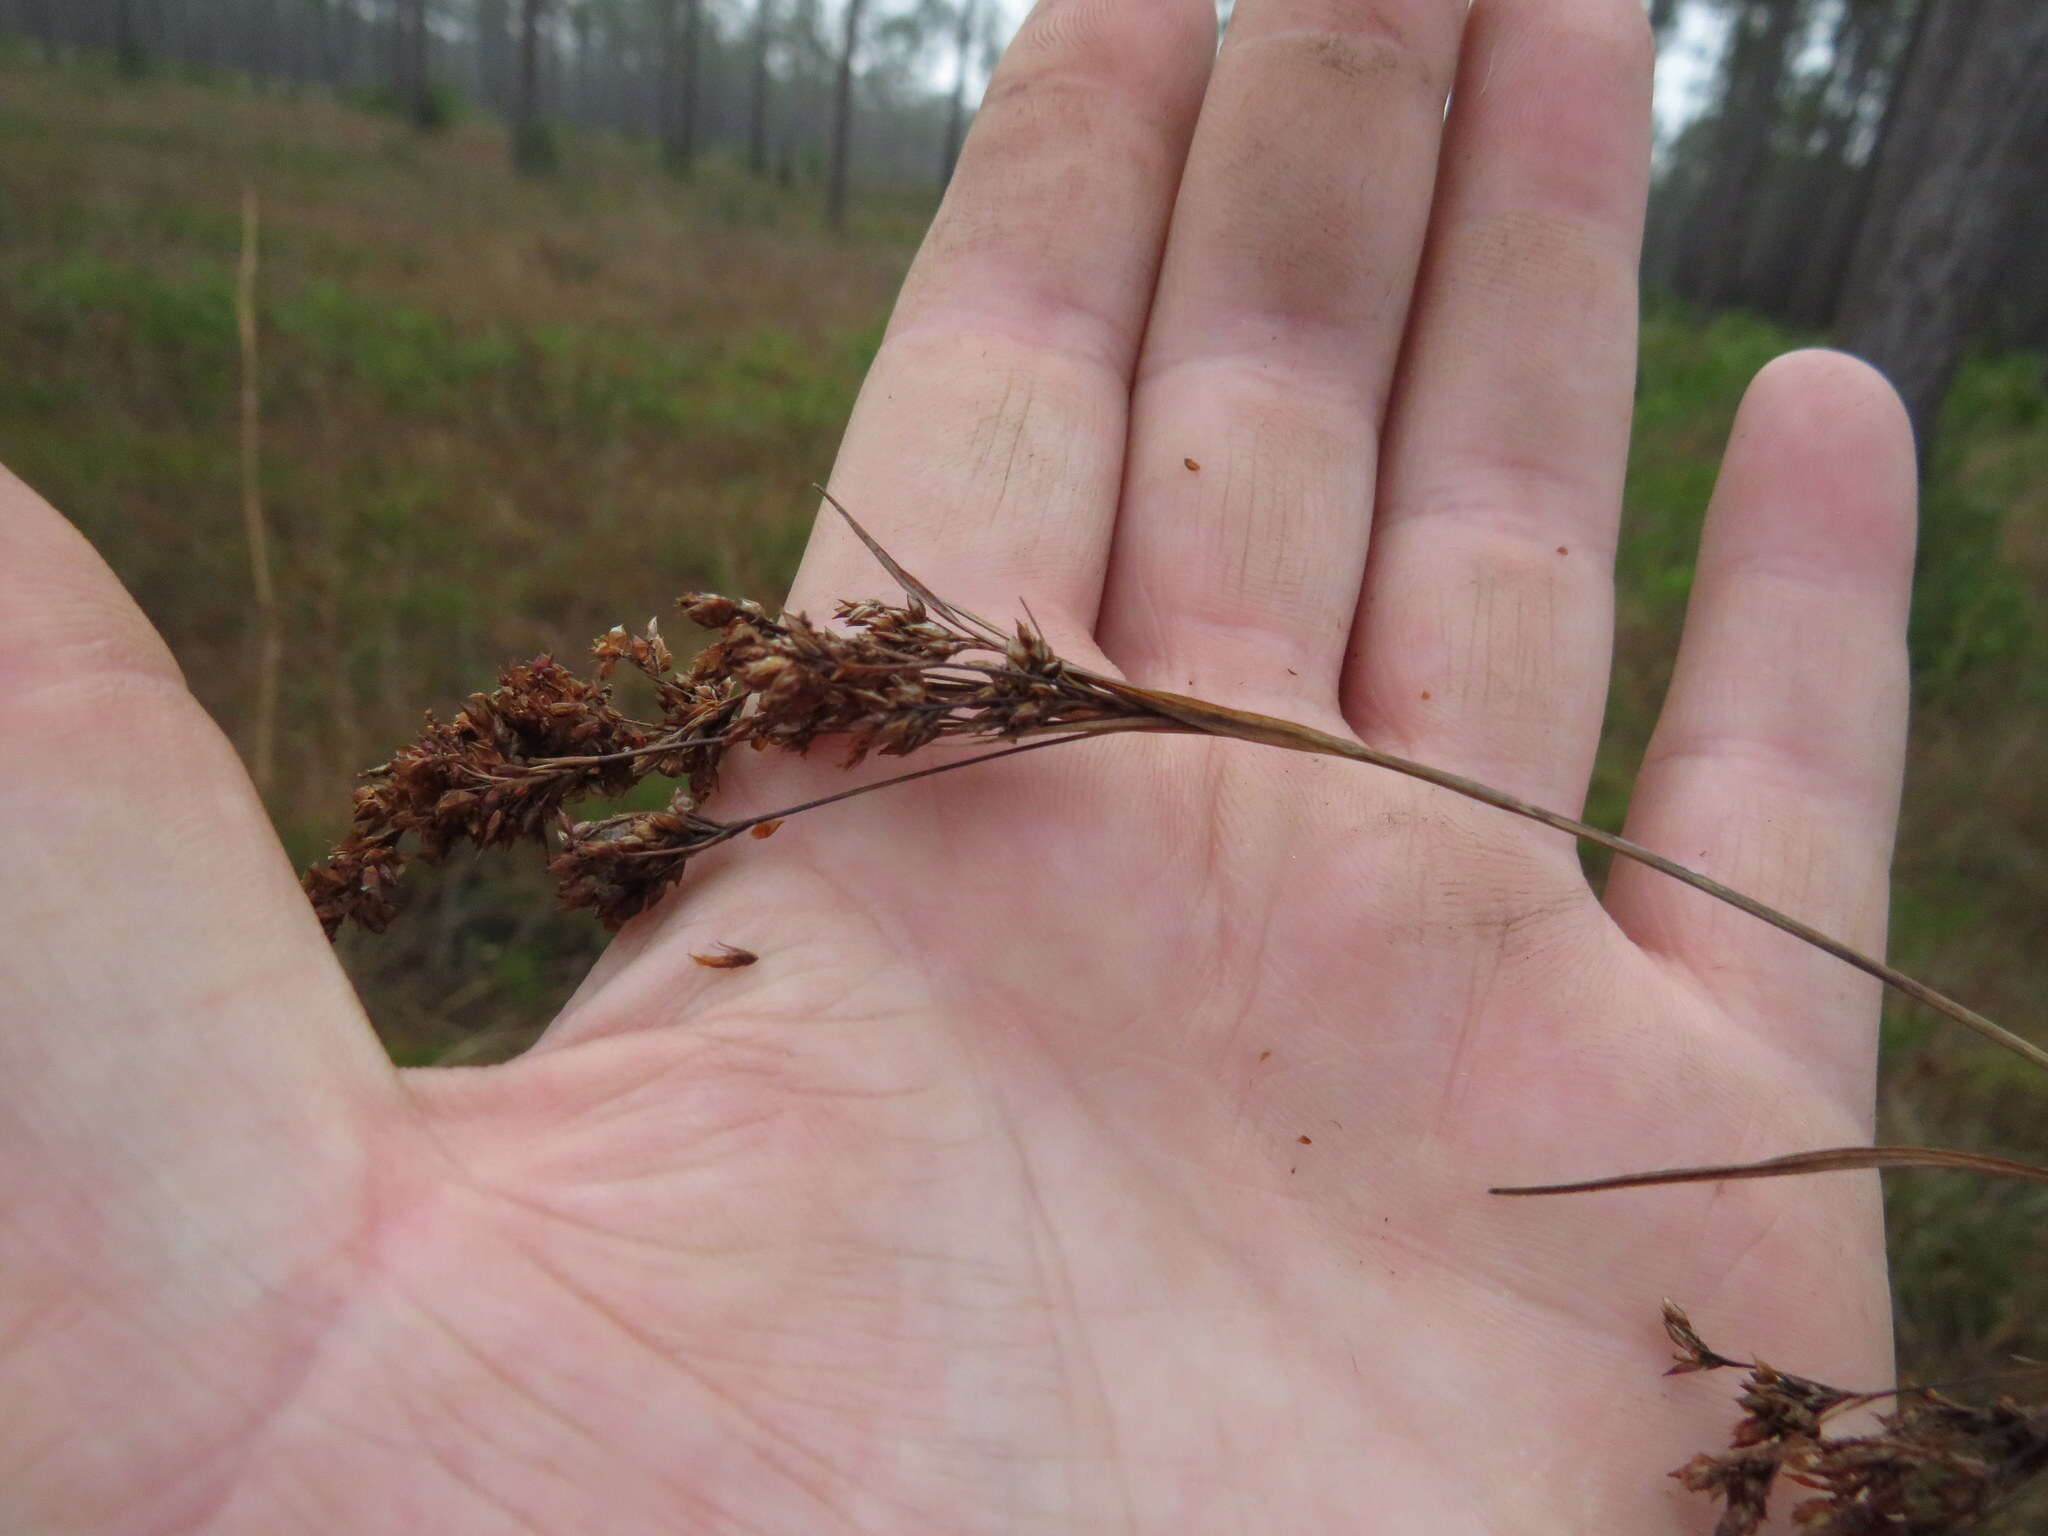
[(1710, 263), (842, 123), (338, 28), (1941, 30), (418, 85), (527, 100), (686, 114), (492, 73), (262, 55), (395, 51), (802, 92), (532, 148), (576, 95), (1946, 199), (44, 13), (320, 53), (129, 55), (668, 46), (757, 105), (1869, 61), (956, 107)]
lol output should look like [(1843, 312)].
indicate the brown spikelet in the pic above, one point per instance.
[(889, 680), (1933, 1467)]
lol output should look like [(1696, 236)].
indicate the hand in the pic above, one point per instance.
[(1101, 1142)]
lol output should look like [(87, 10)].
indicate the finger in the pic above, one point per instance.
[(1248, 488), (1482, 640), (987, 443), (181, 1054), (1775, 765)]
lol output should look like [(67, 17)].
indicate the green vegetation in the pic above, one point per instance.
[(502, 413), (498, 415)]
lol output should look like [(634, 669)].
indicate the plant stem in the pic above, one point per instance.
[(269, 635), (1828, 1160), (1242, 725), (1198, 715)]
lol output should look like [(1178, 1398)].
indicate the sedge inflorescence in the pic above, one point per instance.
[(891, 679), (1932, 1466)]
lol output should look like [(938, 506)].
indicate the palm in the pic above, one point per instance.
[(1101, 1141)]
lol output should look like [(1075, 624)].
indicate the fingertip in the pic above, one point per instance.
[(1834, 403), (1819, 482)]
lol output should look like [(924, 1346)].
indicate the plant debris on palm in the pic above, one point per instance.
[(1933, 1466)]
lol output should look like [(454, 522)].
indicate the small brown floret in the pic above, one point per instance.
[(1933, 1468)]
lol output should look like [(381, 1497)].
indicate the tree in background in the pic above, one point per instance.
[(968, 15), (679, 25), (612, 42), (759, 76), (130, 55), (686, 114), (807, 56), (1752, 98), (413, 74), (264, 45), (43, 18), (1876, 165), (1850, 101), (918, 41), (842, 120), (533, 142), (757, 95), (493, 52), (1968, 137), (581, 17)]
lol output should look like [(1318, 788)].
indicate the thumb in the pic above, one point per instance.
[(186, 1080)]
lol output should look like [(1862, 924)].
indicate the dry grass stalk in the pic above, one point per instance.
[(269, 632), (897, 678)]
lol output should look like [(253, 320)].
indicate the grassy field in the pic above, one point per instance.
[(503, 414), (500, 416)]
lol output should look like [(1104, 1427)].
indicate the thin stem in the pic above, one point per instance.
[(960, 617), (734, 828), (728, 830), (652, 749), (1243, 725), (1828, 1160), (1922, 1388), (269, 633)]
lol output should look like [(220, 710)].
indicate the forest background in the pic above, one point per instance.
[(561, 304)]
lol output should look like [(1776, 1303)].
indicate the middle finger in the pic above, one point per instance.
[(1282, 298)]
